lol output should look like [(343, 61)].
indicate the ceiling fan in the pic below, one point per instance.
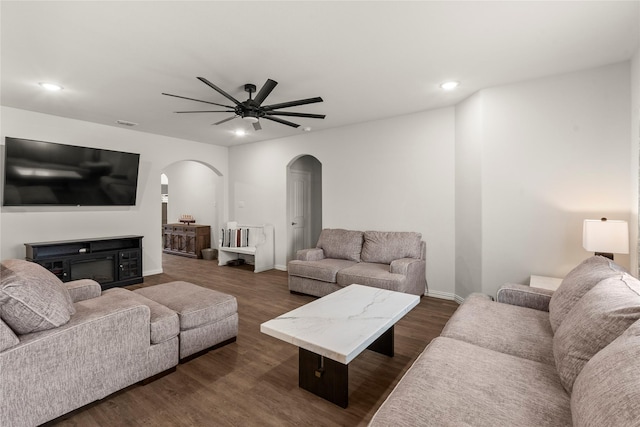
[(252, 110)]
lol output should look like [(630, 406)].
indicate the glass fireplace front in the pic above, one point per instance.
[(102, 270)]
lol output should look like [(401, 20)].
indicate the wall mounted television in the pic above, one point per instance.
[(38, 173)]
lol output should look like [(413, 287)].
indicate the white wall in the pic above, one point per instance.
[(554, 152), (635, 165), (393, 175), (195, 189), (468, 210), (36, 224)]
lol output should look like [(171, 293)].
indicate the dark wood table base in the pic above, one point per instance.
[(329, 379)]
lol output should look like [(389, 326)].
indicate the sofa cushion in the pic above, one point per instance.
[(341, 244), (163, 322), (370, 274), (454, 383), (196, 305), (600, 316), (32, 298), (607, 391), (324, 270), (577, 283), (510, 329), (386, 246), (7, 337)]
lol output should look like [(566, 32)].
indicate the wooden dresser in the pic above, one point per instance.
[(186, 240)]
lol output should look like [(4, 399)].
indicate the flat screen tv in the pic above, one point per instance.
[(38, 173)]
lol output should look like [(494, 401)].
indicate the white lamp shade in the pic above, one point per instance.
[(609, 236)]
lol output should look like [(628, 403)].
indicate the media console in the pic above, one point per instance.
[(110, 261)]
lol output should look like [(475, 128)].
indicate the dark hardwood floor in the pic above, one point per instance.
[(254, 381)]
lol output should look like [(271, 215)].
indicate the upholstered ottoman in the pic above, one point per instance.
[(208, 318)]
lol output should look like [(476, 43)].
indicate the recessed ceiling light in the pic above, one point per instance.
[(449, 85), (240, 132), (50, 86), (306, 129)]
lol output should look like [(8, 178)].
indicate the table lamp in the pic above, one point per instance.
[(605, 237)]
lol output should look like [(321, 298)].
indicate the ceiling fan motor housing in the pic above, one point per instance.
[(252, 110)]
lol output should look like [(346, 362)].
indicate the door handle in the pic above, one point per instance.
[(294, 223)]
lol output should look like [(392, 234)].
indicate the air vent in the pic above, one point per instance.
[(126, 123)]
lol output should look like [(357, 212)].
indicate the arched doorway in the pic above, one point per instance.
[(304, 203), (194, 188)]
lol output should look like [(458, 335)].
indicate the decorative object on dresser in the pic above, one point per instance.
[(186, 239), (110, 261), (247, 243), (187, 219)]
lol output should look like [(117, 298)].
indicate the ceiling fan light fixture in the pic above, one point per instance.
[(250, 119), (450, 85)]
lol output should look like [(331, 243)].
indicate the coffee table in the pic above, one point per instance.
[(333, 330)]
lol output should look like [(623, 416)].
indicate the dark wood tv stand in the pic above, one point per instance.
[(110, 261)]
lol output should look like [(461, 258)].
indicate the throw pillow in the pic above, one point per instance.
[(341, 244), (7, 337), (384, 246), (32, 298), (607, 391), (600, 317), (577, 283)]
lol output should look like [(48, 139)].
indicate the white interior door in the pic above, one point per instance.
[(299, 211)]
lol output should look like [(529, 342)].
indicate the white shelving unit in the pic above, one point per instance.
[(260, 251)]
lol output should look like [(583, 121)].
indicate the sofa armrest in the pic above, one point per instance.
[(415, 271), (313, 254), (83, 289), (524, 296), (402, 265)]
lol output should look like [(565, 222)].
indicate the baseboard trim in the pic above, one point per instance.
[(151, 272), (445, 295), (280, 267)]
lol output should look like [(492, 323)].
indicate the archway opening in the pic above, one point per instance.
[(304, 203), (190, 187)]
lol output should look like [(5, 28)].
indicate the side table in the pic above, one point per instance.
[(544, 282)]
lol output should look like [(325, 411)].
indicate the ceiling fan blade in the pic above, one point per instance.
[(198, 100), (256, 126), (291, 114), (265, 90), (284, 122), (225, 120), (220, 91), (208, 111), (292, 103)]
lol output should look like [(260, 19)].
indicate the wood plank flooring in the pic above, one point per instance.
[(254, 381)]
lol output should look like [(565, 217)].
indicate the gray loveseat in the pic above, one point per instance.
[(532, 358), (64, 345), (387, 260)]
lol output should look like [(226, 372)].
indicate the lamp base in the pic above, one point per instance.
[(605, 254)]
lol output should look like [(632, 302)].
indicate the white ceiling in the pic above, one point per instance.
[(367, 60)]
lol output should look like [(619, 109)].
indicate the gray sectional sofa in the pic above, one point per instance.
[(532, 358), (387, 260), (64, 345)]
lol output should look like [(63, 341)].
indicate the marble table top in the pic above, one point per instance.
[(342, 324)]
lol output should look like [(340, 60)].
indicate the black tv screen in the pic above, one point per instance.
[(38, 173)]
